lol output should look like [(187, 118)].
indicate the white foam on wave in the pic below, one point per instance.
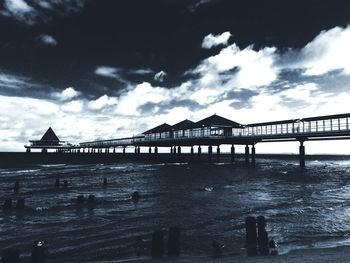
[(52, 165)]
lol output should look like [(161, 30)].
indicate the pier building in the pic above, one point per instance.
[(49, 141)]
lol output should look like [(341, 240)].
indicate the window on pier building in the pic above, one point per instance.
[(237, 132)]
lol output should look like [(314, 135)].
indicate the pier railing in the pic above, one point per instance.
[(113, 142)]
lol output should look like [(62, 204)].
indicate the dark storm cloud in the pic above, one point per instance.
[(157, 35)]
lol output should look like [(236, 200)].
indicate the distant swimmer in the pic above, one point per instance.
[(135, 197), (16, 187)]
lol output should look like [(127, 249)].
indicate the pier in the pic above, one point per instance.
[(211, 132)]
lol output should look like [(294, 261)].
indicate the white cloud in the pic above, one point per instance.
[(66, 94), (300, 92), (48, 40), (160, 76), (328, 51), (214, 40), (18, 6), (102, 102), (75, 106), (143, 93), (239, 69), (109, 72)]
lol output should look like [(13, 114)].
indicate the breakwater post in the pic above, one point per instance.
[(251, 236), (157, 244), (263, 240), (232, 153)]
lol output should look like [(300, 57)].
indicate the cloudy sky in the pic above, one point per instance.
[(100, 69)]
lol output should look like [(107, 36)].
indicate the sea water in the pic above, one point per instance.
[(304, 207)]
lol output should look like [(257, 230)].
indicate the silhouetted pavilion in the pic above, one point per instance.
[(48, 141)]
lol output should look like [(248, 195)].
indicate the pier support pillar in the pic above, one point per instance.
[(210, 152), (218, 154), (302, 154), (124, 150), (138, 149), (179, 150), (113, 149), (199, 152), (232, 153), (174, 151), (253, 153), (171, 150), (150, 150), (156, 150), (247, 154)]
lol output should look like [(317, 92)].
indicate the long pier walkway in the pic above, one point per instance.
[(215, 131)]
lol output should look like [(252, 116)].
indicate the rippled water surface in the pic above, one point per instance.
[(304, 208)]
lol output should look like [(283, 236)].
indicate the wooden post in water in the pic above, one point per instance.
[(199, 152), (263, 239), (251, 236)]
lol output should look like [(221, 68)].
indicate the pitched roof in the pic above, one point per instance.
[(49, 136), (182, 125), (161, 128), (216, 121)]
